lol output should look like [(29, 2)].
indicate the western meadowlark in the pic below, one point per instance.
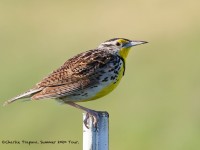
[(87, 76)]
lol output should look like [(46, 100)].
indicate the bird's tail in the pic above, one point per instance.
[(24, 95)]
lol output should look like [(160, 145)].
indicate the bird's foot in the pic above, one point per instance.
[(95, 118)]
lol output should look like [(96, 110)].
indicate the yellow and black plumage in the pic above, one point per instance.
[(87, 76)]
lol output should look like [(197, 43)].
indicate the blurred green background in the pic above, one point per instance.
[(157, 104)]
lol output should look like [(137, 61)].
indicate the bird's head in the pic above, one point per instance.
[(121, 46)]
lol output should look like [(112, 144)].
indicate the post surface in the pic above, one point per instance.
[(96, 138)]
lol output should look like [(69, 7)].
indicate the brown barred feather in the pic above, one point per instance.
[(77, 73)]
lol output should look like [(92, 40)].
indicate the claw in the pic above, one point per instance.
[(94, 116), (86, 120), (89, 113)]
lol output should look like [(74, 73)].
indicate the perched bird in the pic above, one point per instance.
[(87, 76)]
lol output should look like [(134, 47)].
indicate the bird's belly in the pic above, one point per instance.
[(108, 83), (103, 91)]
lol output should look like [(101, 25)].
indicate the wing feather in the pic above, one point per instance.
[(77, 73)]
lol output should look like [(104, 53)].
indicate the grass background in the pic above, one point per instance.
[(157, 104)]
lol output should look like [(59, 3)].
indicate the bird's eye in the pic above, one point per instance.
[(118, 44)]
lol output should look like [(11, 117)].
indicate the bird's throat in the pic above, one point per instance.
[(124, 52)]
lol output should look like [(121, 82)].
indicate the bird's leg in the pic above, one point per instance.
[(90, 112)]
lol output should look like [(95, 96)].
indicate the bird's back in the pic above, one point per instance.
[(82, 77)]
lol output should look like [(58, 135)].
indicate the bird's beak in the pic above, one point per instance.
[(134, 43)]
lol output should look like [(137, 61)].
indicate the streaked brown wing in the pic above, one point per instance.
[(77, 73), (62, 90)]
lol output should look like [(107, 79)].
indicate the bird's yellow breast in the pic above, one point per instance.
[(109, 88)]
